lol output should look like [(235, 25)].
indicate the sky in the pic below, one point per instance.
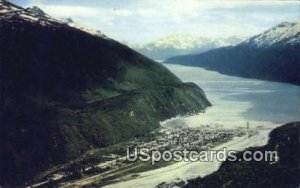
[(142, 21)]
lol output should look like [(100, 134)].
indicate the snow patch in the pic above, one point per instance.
[(79, 26), (182, 41), (286, 32), (34, 14)]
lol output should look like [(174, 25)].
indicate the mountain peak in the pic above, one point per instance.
[(68, 20), (11, 12), (283, 33), (36, 10), (271, 55), (285, 24), (183, 43), (65, 92)]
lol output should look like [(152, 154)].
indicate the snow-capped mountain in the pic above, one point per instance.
[(69, 21), (36, 10), (271, 55), (10, 12), (286, 33), (64, 91), (77, 25), (34, 14), (181, 44)]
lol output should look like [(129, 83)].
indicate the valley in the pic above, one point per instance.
[(66, 90), (235, 100), (119, 168), (177, 80)]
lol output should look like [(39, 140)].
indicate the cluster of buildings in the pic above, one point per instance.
[(193, 138)]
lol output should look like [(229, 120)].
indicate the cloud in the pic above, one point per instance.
[(81, 11), (71, 11), (144, 20)]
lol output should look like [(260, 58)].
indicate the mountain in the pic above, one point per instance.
[(284, 34), (181, 44), (69, 21), (272, 55), (65, 90), (36, 10), (283, 173)]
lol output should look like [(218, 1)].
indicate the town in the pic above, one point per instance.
[(111, 164), (201, 138)]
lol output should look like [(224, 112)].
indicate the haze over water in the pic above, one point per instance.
[(238, 100)]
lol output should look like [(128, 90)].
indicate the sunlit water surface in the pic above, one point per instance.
[(236, 101)]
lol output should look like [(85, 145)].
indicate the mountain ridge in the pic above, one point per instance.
[(64, 91), (266, 56), (180, 44), (287, 32)]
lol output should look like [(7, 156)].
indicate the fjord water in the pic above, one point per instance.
[(237, 100)]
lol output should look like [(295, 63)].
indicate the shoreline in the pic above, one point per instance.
[(141, 174), (189, 169), (126, 171)]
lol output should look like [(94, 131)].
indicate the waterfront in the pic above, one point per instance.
[(240, 106), (236, 103)]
